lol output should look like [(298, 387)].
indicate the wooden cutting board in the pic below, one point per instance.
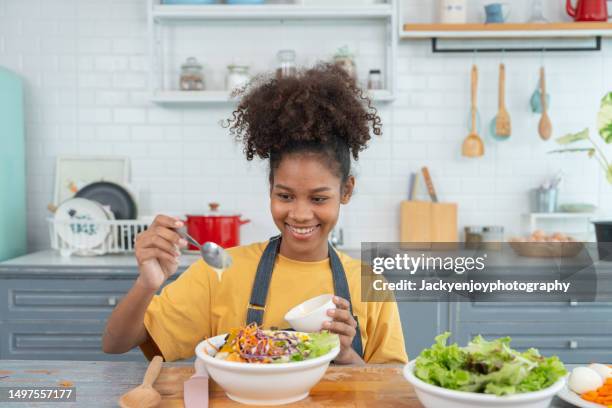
[(366, 386)]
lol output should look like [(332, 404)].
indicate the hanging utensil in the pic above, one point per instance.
[(503, 127), (545, 126), (473, 145)]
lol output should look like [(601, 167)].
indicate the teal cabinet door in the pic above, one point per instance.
[(13, 228)]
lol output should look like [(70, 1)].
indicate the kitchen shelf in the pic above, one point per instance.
[(562, 215), (268, 11), (507, 30), (164, 19), (223, 97)]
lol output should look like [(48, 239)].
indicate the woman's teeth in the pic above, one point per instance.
[(303, 231)]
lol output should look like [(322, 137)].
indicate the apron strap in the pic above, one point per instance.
[(259, 292), (341, 289)]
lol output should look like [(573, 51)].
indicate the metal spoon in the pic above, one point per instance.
[(213, 254)]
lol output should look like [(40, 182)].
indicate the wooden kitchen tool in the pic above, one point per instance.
[(503, 126), (545, 126), (429, 183), (144, 396), (473, 145), (424, 222)]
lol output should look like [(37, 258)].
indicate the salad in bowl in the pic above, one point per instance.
[(249, 363), (251, 344), (484, 374)]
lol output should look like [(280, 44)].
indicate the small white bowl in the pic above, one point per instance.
[(309, 316), (263, 384), (432, 396)]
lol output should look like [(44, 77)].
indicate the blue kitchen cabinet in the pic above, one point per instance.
[(13, 228), (58, 312)]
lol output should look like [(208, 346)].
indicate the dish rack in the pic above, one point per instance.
[(95, 237)]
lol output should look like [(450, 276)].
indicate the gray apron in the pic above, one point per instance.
[(259, 292)]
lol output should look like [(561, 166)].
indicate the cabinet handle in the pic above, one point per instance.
[(573, 303), (573, 344), (112, 301)]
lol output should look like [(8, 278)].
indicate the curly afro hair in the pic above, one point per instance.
[(320, 110)]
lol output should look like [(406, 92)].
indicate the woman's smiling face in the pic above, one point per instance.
[(305, 198)]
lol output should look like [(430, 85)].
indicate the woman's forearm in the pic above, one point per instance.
[(125, 328)]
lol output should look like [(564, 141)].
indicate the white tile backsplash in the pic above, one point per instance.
[(85, 70)]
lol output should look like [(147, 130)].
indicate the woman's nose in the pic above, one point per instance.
[(301, 212)]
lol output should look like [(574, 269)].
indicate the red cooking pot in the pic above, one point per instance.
[(215, 227)]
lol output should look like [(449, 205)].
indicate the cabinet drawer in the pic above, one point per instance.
[(571, 311), (579, 342), (57, 340), (60, 299)]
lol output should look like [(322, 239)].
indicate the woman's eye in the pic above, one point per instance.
[(319, 199), (283, 196)]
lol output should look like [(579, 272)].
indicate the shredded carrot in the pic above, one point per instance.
[(602, 395)]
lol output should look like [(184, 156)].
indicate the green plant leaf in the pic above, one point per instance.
[(609, 175), (573, 137), (604, 118), (589, 150)]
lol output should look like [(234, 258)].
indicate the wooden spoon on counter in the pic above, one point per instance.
[(144, 396), (502, 123), (545, 126), (473, 145)]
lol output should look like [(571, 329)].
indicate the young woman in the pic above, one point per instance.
[(307, 126)]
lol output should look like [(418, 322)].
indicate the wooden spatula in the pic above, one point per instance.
[(544, 127), (144, 396), (473, 145), (503, 125)]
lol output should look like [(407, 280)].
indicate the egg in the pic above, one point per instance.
[(584, 379), (604, 371)]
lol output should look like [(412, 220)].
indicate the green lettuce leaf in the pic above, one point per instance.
[(490, 367)]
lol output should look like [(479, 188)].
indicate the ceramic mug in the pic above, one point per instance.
[(497, 12), (453, 11)]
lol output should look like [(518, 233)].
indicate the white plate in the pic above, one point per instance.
[(80, 223), (570, 396)]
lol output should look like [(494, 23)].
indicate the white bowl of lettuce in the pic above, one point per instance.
[(276, 381), (484, 374)]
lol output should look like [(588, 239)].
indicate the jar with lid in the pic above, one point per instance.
[(192, 78), (493, 236), (374, 79), (237, 76), (473, 237), (345, 60), (286, 63)]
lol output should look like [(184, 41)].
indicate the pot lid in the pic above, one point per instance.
[(213, 211)]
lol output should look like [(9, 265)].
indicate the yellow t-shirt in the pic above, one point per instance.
[(197, 306)]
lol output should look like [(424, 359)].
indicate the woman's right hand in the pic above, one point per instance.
[(157, 251)]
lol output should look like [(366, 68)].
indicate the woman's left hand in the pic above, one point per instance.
[(345, 326)]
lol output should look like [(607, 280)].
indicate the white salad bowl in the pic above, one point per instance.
[(432, 396), (263, 384), (309, 316)]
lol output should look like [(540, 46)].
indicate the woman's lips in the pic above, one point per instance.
[(302, 233)]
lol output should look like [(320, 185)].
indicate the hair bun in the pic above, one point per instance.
[(317, 105)]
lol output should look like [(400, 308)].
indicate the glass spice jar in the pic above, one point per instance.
[(374, 79), (237, 76), (192, 78), (344, 59), (286, 63)]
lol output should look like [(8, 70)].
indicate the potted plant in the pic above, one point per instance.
[(603, 228)]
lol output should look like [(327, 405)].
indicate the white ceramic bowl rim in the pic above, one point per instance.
[(293, 310), (250, 367), (472, 396)]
